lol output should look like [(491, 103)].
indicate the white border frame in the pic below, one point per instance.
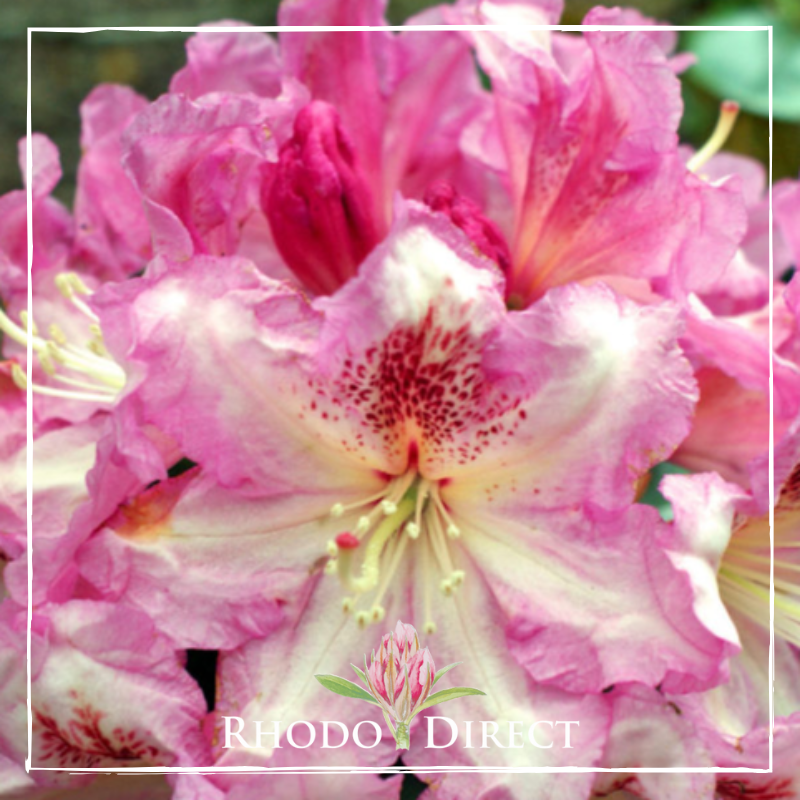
[(389, 769)]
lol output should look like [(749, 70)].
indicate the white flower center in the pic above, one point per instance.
[(409, 510)]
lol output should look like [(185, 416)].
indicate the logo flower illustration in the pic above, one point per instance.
[(399, 679)]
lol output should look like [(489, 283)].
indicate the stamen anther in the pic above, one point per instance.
[(332, 548), (388, 507), (348, 603), (458, 577), (362, 619), (429, 628), (337, 509), (447, 587), (362, 526), (452, 531), (412, 529), (331, 567), (378, 613), (57, 335)]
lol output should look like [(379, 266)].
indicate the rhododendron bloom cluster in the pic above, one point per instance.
[(343, 330)]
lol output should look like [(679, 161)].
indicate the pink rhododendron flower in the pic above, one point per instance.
[(401, 344), (353, 446)]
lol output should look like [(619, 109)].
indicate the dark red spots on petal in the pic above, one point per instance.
[(421, 392)]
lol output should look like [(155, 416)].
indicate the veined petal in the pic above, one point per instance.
[(472, 630), (98, 701), (592, 380), (213, 568), (753, 752), (597, 183), (273, 680), (592, 602), (239, 372)]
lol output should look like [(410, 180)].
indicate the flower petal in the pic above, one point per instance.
[(239, 63), (471, 629), (593, 602), (112, 235)]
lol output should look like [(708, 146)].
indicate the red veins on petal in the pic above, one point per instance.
[(82, 743)]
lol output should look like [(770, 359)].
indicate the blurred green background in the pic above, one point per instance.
[(65, 66)]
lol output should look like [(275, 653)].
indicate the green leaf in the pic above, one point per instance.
[(734, 64), (445, 669), (345, 688), (361, 675), (448, 694)]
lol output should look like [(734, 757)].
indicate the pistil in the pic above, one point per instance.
[(729, 111)]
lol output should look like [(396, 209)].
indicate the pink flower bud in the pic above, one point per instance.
[(401, 674), (319, 204), (483, 233)]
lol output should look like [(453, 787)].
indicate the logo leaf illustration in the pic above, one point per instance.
[(360, 674), (345, 688), (448, 694), (445, 669)]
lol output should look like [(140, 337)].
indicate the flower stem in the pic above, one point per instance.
[(401, 736)]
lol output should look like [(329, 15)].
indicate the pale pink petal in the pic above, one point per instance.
[(732, 356), (578, 422), (471, 630), (198, 165), (665, 38), (46, 165), (52, 224), (753, 752), (651, 730), (273, 679), (593, 602), (107, 691), (211, 567), (786, 208), (61, 460), (112, 235), (250, 350), (750, 171), (239, 63), (785, 240), (730, 428), (436, 96), (13, 437)]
